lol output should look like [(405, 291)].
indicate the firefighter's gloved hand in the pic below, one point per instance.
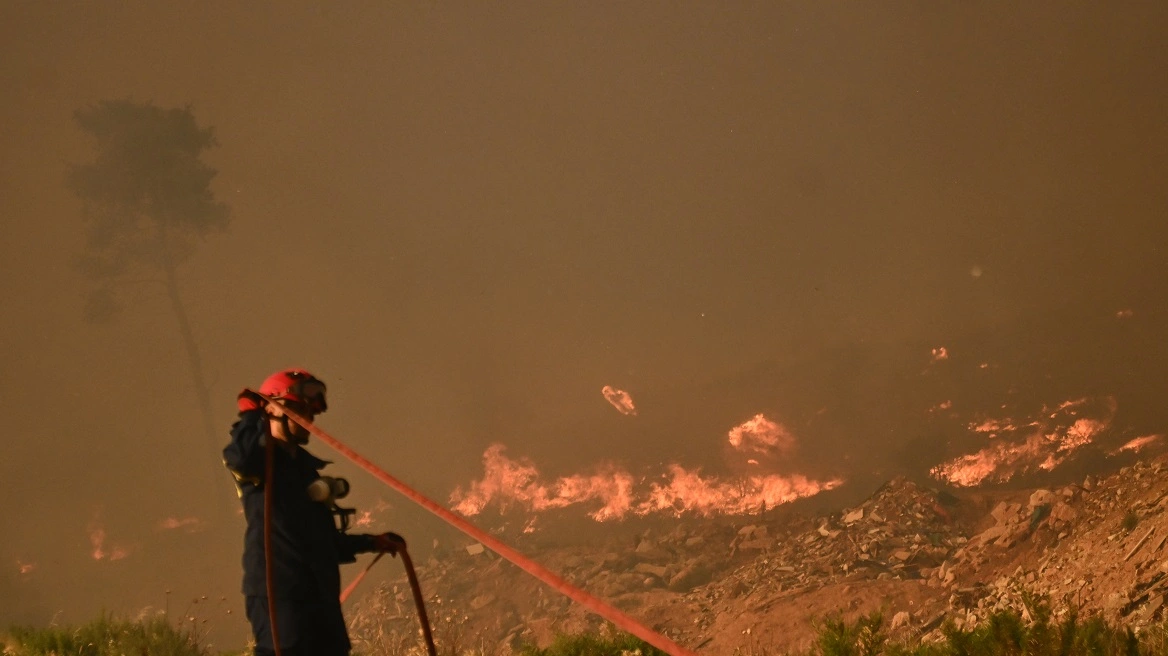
[(389, 543), (249, 400)]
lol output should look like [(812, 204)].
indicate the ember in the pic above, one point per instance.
[(619, 399), (190, 524), (97, 538)]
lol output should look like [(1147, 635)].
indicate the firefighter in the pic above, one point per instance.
[(307, 547)]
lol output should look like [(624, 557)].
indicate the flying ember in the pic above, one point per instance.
[(190, 524), (619, 399)]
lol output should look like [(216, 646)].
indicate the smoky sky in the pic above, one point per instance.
[(469, 218)]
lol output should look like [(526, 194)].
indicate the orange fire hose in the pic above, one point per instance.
[(417, 588), (414, 585), (592, 603), (269, 484)]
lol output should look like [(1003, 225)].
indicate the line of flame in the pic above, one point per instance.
[(507, 482)]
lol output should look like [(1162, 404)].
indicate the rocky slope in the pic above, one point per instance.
[(916, 553)]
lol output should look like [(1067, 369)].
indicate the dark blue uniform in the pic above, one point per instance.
[(306, 546)]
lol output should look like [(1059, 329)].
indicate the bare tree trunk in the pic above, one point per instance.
[(202, 393)]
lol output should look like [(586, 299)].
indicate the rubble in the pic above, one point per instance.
[(917, 554)]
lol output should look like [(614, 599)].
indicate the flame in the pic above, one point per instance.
[(1047, 443), (510, 481), (366, 518), (1137, 444), (507, 482), (619, 399), (97, 538), (940, 353), (762, 435), (364, 521), (191, 524), (687, 491)]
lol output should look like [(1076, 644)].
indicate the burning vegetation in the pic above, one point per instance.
[(1039, 442), (610, 492)]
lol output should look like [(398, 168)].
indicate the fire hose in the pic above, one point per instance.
[(548, 577), (416, 587)]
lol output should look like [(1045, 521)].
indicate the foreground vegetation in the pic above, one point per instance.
[(105, 636), (1030, 632)]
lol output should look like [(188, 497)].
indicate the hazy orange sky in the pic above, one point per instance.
[(470, 218)]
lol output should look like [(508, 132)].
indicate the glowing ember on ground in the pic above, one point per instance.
[(619, 399), (1124, 314), (940, 353), (1138, 443), (944, 405), (1040, 444), (190, 524), (508, 483), (25, 568), (762, 435)]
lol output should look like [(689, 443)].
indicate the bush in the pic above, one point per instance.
[(586, 644), (1004, 633), (104, 637)]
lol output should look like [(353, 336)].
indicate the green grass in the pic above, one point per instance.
[(1005, 633), (1031, 631), (104, 636), (586, 644)]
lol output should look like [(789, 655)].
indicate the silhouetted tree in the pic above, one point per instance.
[(146, 200)]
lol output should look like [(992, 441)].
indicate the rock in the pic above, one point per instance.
[(1000, 513), (1152, 606), (475, 549), (854, 516), (900, 619), (482, 601), (656, 570), (1041, 498), (992, 533), (1063, 513), (691, 575), (1115, 601)]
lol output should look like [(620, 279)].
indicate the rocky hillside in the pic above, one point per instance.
[(918, 554)]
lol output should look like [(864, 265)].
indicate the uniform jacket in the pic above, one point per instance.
[(307, 548)]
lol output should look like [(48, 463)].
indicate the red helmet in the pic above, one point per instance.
[(296, 385)]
